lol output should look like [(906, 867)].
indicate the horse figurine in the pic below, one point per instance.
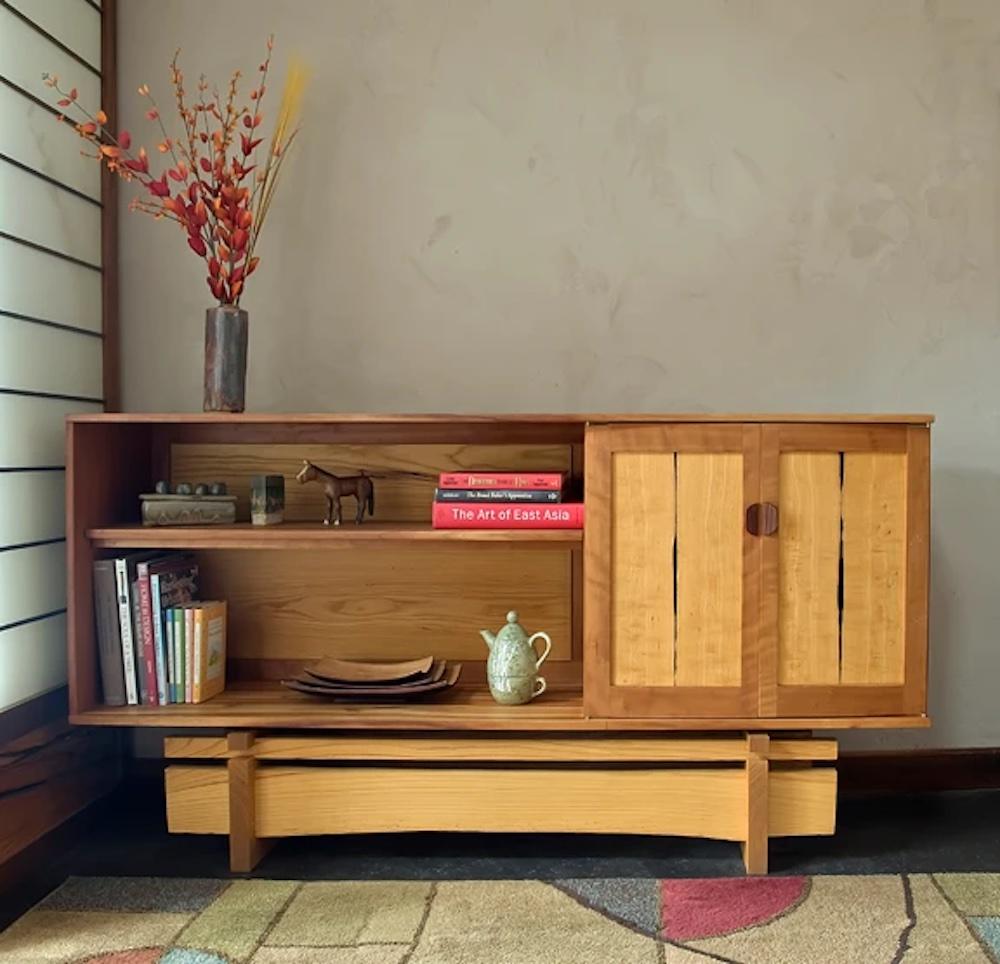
[(335, 487)]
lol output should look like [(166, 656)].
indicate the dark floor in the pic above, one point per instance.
[(956, 831)]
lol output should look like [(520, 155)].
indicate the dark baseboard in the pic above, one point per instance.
[(913, 771)]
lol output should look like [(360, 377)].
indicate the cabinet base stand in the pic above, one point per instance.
[(745, 787)]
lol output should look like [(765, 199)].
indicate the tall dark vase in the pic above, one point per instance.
[(225, 359)]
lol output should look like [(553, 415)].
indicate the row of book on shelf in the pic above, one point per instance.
[(157, 642), (505, 500)]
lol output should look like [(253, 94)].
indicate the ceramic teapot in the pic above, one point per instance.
[(512, 667)]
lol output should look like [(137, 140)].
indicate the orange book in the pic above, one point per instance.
[(209, 650)]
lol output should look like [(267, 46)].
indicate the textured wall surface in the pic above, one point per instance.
[(639, 204)]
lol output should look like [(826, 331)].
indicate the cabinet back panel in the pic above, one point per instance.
[(842, 545), (709, 568), (642, 569), (377, 604), (405, 495)]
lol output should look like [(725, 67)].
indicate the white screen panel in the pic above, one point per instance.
[(32, 660), (36, 284), (34, 137), (38, 358), (32, 582), (35, 210), (25, 55), (34, 430), (74, 23), (32, 507)]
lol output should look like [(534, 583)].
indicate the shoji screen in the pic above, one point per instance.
[(51, 321)]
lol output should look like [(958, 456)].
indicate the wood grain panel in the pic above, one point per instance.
[(809, 560), (874, 568), (801, 802), (709, 569), (534, 748), (39, 285), (402, 498), (293, 801), (643, 514), (32, 507), (369, 603)]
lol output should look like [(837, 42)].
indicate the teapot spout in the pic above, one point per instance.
[(489, 637)]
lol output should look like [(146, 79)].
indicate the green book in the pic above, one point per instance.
[(179, 650)]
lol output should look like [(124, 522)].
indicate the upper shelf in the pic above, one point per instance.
[(313, 535)]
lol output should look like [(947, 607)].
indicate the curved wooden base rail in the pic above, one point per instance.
[(744, 788)]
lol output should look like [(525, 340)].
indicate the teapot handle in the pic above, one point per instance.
[(539, 687), (548, 646)]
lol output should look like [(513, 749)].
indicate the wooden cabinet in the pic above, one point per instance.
[(762, 570), (740, 580)]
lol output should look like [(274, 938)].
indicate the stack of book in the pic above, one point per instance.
[(504, 500), (157, 643)]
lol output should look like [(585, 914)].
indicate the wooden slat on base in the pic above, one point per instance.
[(699, 801), (536, 748)]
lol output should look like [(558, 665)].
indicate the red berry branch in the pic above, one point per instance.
[(215, 187)]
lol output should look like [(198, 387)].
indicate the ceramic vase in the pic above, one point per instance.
[(225, 359)]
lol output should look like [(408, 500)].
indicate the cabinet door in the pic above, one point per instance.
[(845, 576), (671, 575)]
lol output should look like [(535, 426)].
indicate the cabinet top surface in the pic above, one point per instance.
[(335, 418)]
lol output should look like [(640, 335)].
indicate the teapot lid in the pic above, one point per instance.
[(513, 631)]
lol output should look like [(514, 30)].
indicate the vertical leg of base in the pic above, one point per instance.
[(245, 848), (755, 844)]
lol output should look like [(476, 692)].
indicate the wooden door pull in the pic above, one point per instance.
[(762, 519)]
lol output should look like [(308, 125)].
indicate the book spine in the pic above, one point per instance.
[(108, 643), (466, 515), (125, 631), (189, 655), (497, 495), (148, 642), (199, 654), (140, 665), (158, 644), (168, 630), (178, 655), (501, 480)]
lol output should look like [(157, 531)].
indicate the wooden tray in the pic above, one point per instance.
[(436, 672), (376, 694), (355, 671)]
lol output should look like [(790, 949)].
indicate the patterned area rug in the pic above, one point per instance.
[(916, 919)]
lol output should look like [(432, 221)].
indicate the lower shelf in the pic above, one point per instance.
[(263, 705)]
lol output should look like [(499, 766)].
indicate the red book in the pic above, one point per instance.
[(517, 515), (501, 480), (146, 620)]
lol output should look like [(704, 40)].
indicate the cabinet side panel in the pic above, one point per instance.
[(808, 575), (643, 514), (709, 569), (874, 568)]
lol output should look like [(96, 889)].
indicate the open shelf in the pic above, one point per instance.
[(266, 705), (314, 535)]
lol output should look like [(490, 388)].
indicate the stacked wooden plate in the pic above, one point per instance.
[(357, 682)]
